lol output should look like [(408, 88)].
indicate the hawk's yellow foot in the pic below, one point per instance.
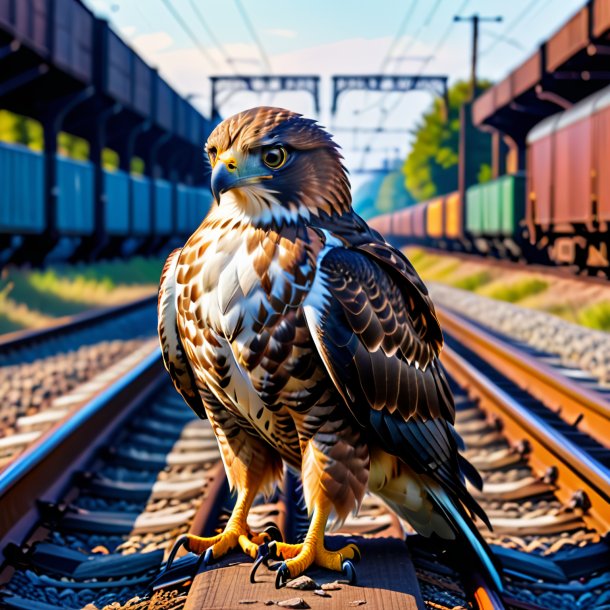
[(234, 534), (298, 557)]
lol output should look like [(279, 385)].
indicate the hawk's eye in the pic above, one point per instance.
[(275, 156), (212, 153)]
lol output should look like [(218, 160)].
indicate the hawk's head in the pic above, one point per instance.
[(273, 166)]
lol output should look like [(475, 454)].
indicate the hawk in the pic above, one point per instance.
[(307, 340)]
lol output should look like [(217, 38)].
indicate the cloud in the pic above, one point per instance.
[(128, 31), (282, 33), (151, 44)]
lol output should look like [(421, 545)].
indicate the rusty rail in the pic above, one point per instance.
[(578, 469)]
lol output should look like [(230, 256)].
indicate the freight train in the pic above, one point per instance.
[(138, 211), (557, 212), (68, 70)]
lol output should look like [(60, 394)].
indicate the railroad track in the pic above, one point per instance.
[(46, 374), (90, 523), (565, 415), (73, 331)]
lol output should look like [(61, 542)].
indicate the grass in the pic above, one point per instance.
[(472, 282), (589, 308), (596, 316), (443, 271), (32, 298), (515, 291)]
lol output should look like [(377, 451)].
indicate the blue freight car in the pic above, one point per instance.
[(140, 206), (163, 207), (22, 192), (116, 196), (74, 197), (128, 200)]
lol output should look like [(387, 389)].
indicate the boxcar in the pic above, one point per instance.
[(567, 204), (22, 193), (453, 216), (419, 220), (163, 207), (75, 197), (116, 212), (601, 156), (140, 206), (434, 218)]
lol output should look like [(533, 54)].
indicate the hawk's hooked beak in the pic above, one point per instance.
[(233, 170)]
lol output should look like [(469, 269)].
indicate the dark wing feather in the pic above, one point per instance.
[(377, 333), (380, 339), (172, 349)]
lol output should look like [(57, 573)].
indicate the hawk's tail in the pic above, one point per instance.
[(485, 585)]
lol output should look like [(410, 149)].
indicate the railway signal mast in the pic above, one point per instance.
[(467, 171), (475, 20)]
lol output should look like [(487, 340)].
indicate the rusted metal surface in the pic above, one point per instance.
[(386, 580), (577, 470), (540, 174), (601, 17), (572, 201), (570, 39), (527, 75), (503, 92), (601, 154), (484, 106)]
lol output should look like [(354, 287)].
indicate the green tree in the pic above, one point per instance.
[(392, 194), (431, 168)]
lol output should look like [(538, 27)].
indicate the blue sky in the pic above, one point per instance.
[(329, 37)]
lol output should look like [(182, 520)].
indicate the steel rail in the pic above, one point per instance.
[(556, 391), (23, 338), (578, 470), (46, 467)]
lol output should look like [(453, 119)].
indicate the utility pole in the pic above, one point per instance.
[(475, 20)]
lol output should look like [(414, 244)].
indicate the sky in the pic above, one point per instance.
[(201, 38)]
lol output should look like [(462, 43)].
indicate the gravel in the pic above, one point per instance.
[(576, 346)]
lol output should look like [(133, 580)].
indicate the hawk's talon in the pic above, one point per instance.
[(266, 552), (357, 554), (274, 533), (208, 558), (348, 570), (273, 552), (181, 541), (262, 556), (283, 576)]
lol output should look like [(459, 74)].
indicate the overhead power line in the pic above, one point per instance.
[(386, 112), (401, 30), (254, 35), (210, 32), (503, 36), (176, 15)]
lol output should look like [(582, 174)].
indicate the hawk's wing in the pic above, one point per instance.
[(174, 358), (375, 328), (378, 335)]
